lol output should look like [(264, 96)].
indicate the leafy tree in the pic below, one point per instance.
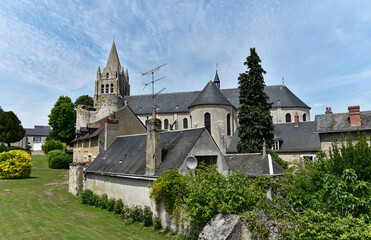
[(11, 129), (84, 100), (254, 114), (62, 119)]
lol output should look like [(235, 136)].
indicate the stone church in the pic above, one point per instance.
[(214, 108)]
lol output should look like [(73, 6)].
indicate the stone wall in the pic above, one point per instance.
[(327, 139), (279, 114)]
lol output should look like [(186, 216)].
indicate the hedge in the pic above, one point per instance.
[(15, 164)]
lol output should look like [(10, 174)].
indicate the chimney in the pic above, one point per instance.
[(354, 116), (328, 110), (154, 148), (296, 120)]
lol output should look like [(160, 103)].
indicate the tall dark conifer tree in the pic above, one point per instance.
[(255, 121)]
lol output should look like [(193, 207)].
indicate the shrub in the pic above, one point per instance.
[(118, 206), (157, 222), (135, 213), (103, 201), (53, 145), (147, 216), (15, 164), (111, 204), (3, 148), (59, 160), (87, 197), (15, 148)]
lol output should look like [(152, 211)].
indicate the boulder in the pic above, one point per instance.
[(222, 227)]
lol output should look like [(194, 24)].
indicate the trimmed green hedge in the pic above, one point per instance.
[(59, 160)]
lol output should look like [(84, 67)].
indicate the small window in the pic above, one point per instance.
[(107, 88), (288, 118), (116, 74), (304, 117), (228, 124), (166, 124), (185, 123), (111, 88), (307, 158), (37, 139), (107, 75), (207, 160), (276, 146), (102, 88), (207, 121)]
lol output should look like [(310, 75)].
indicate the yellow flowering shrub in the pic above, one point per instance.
[(15, 164)]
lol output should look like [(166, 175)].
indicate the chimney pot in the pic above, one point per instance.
[(354, 115), (328, 110), (296, 120)]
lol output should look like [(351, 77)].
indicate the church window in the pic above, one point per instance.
[(111, 88), (185, 123), (107, 88), (102, 88), (304, 117), (166, 124), (288, 118), (276, 145), (107, 75), (116, 74), (228, 124), (207, 122)]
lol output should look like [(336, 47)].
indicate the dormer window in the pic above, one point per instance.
[(276, 145), (107, 75)]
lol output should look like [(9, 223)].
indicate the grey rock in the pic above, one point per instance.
[(222, 227)]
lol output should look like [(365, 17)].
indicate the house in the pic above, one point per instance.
[(336, 126), (34, 137)]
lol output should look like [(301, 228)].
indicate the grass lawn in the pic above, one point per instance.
[(41, 208)]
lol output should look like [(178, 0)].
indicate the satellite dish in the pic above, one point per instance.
[(191, 162)]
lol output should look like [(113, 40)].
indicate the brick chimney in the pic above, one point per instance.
[(328, 110), (354, 116), (154, 148), (296, 120)]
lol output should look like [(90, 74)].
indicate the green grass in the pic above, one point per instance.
[(41, 208)]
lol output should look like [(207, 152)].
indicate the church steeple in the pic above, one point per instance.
[(216, 79), (113, 61)]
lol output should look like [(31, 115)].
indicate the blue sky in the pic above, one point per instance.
[(53, 48)]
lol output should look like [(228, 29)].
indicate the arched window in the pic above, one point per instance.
[(107, 88), (185, 123), (228, 124), (288, 117), (102, 88), (207, 122), (107, 75), (304, 117), (166, 124), (111, 87)]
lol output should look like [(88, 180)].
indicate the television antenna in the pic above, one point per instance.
[(152, 72)]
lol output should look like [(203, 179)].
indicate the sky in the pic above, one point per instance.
[(48, 49)]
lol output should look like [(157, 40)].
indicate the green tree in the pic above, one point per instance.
[(84, 100), (254, 114), (11, 129), (62, 119)]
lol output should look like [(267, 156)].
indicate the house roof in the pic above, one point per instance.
[(210, 95), (253, 164), (127, 154), (180, 101), (38, 131), (339, 122), (292, 139)]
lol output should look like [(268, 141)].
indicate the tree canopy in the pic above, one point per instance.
[(84, 100), (62, 119), (255, 121), (11, 129)]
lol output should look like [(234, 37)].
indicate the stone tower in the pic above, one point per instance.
[(111, 86)]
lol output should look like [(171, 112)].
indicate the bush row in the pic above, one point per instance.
[(4, 148), (57, 159), (129, 214)]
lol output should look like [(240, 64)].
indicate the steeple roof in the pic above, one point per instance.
[(216, 78), (210, 95), (113, 61)]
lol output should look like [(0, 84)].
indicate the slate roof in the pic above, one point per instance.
[(113, 61), (210, 95), (126, 156), (339, 122), (253, 164), (292, 139), (180, 101), (38, 131)]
